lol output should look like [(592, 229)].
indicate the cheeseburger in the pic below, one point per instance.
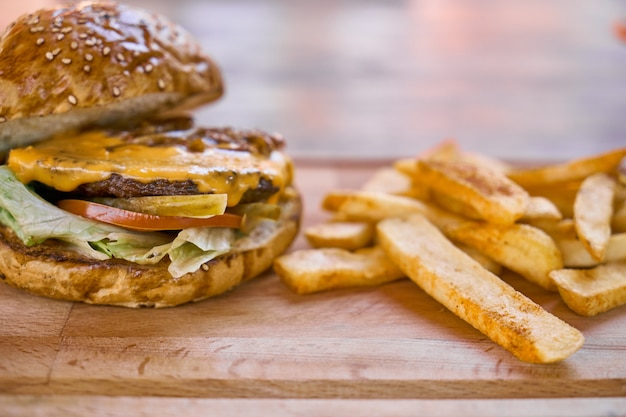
[(109, 193)]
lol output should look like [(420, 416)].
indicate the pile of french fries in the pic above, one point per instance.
[(452, 221)]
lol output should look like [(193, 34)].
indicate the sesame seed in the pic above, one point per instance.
[(116, 92), (89, 57), (140, 68), (49, 56), (136, 54), (37, 29), (204, 267), (90, 42), (149, 68), (67, 29), (74, 45), (56, 51), (83, 36), (40, 41), (126, 73), (58, 21), (87, 68), (60, 37), (55, 29), (161, 83), (66, 61), (120, 57), (3, 119), (33, 20), (72, 99), (106, 51)]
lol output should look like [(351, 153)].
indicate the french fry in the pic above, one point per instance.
[(593, 211), (488, 193), (450, 151), (484, 261), (556, 229), (592, 291), (474, 294), (313, 270), (345, 235), (374, 207), (370, 206), (390, 181), (519, 247), (450, 202), (618, 223), (576, 255), (541, 208), (446, 150), (406, 166), (574, 170), (562, 195)]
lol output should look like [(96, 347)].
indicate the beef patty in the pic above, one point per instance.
[(236, 159)]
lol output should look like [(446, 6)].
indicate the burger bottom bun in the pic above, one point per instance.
[(54, 272)]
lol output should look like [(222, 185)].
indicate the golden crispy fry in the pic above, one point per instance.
[(574, 170), (488, 193), (486, 162), (562, 195), (521, 248), (474, 294), (556, 229), (373, 207), (541, 208), (370, 206), (592, 291), (485, 261), (406, 166), (314, 270), (618, 223), (593, 211), (390, 181), (450, 151), (345, 235), (449, 202), (576, 255)]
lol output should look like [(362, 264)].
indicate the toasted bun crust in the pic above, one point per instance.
[(96, 63), (66, 275)]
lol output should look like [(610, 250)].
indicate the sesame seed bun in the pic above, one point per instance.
[(96, 63)]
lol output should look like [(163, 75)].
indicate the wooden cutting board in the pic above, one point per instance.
[(261, 340)]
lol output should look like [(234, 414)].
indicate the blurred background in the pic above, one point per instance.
[(366, 79)]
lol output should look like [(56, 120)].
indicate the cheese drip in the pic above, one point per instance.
[(66, 162)]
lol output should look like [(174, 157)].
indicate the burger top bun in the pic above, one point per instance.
[(96, 63)]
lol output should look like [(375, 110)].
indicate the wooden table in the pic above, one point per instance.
[(390, 349), (351, 80)]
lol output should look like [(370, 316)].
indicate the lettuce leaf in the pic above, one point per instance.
[(35, 220)]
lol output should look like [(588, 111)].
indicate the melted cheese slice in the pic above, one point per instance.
[(66, 162)]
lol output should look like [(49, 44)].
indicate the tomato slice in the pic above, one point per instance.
[(145, 222)]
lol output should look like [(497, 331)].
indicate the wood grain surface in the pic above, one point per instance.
[(351, 80), (262, 341)]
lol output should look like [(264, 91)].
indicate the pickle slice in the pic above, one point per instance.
[(197, 205)]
